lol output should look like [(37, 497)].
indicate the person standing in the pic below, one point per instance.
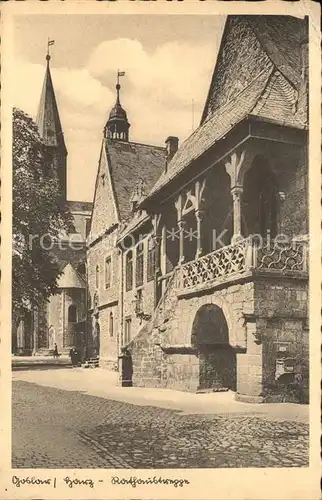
[(73, 356), (55, 351)]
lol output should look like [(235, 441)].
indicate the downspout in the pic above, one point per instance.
[(119, 337)]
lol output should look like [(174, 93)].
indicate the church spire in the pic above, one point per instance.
[(50, 128), (48, 120), (117, 126)]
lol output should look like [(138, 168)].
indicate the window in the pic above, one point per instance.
[(138, 302), (108, 264), (111, 325), (72, 314), (97, 277), (150, 260), (127, 331), (139, 265), (129, 270)]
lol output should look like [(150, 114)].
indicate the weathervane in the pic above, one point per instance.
[(49, 43), (118, 86)]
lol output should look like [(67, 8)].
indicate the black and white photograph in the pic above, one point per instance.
[(162, 249)]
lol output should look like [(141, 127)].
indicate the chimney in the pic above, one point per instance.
[(172, 146)]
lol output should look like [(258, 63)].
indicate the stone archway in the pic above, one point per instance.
[(217, 358)]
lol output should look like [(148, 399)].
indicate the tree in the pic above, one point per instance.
[(39, 217)]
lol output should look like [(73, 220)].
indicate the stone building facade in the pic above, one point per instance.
[(117, 244), (63, 318)]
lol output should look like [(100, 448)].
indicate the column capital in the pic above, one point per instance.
[(233, 167), (181, 224), (156, 239), (200, 214), (237, 191)]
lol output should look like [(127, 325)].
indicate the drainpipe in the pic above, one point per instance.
[(119, 337)]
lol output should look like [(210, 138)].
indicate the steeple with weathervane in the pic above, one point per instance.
[(50, 128), (117, 126)]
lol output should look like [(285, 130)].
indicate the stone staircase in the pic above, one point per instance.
[(147, 355)]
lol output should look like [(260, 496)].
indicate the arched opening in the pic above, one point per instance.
[(72, 314), (217, 359), (260, 200), (96, 338)]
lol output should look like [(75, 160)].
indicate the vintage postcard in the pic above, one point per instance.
[(160, 294)]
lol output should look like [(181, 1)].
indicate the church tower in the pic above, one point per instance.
[(50, 129), (117, 126)]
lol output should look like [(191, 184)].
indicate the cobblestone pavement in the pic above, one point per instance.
[(53, 428)]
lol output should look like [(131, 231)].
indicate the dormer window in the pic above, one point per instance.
[(103, 179)]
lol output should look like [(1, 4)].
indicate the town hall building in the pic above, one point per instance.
[(197, 254)]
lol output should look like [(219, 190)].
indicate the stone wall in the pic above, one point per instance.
[(108, 338), (107, 298), (282, 311), (260, 315), (148, 359)]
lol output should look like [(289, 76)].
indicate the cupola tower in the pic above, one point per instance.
[(117, 126)]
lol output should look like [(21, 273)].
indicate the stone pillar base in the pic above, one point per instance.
[(243, 398)]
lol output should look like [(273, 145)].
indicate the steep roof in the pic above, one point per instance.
[(70, 278), (270, 95), (128, 162), (254, 42), (280, 37), (48, 120)]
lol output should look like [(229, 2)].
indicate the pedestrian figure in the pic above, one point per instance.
[(127, 367), (73, 354), (55, 351)]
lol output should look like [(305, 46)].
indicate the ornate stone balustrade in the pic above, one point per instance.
[(241, 259), (276, 256)]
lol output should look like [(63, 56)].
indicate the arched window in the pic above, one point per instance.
[(97, 276), (108, 263), (139, 264), (72, 314), (129, 270), (111, 325)]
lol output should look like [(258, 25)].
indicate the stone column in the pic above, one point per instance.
[(199, 217), (237, 193), (181, 225)]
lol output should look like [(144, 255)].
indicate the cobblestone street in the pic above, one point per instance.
[(55, 428)]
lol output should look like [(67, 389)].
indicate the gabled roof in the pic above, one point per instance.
[(80, 206), (48, 120), (128, 162), (70, 278), (221, 122), (277, 37)]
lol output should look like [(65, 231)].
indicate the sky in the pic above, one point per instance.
[(168, 63)]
